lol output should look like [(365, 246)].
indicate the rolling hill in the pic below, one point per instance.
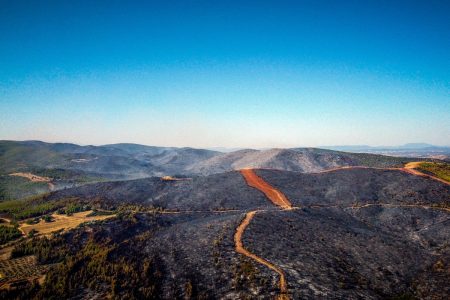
[(70, 165), (129, 161)]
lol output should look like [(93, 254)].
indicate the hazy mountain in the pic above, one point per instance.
[(111, 161), (407, 150), (299, 159), (129, 161)]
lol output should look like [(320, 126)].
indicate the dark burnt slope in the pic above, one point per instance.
[(331, 253), (215, 192), (150, 256), (347, 187), (329, 248)]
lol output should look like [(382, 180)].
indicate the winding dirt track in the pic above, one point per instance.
[(280, 200), (241, 249)]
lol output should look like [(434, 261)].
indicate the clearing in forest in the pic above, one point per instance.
[(62, 222), (35, 178)]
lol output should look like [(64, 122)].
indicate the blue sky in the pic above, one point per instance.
[(226, 73)]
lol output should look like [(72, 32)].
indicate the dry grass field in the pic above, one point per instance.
[(61, 222)]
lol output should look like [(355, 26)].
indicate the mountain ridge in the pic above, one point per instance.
[(131, 161)]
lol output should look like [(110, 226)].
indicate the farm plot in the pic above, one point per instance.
[(23, 268), (62, 222)]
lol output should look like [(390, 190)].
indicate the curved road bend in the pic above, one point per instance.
[(241, 249), (411, 168)]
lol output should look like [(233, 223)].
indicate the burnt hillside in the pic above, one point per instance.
[(352, 234)]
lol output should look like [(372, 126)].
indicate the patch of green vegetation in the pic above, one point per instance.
[(440, 170), (46, 250), (32, 233), (8, 233), (23, 209), (38, 206), (14, 187), (78, 177), (47, 218), (96, 212), (95, 264), (17, 157), (32, 221), (75, 207)]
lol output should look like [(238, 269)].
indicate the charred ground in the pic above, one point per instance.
[(354, 233)]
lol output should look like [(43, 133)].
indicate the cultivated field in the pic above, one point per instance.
[(18, 271), (61, 222)]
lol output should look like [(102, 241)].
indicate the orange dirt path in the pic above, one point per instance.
[(411, 168), (280, 200), (274, 195), (241, 249)]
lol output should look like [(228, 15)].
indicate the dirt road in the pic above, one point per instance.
[(278, 199), (411, 168), (240, 249), (274, 195)]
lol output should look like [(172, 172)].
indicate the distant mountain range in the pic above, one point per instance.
[(407, 150), (132, 161)]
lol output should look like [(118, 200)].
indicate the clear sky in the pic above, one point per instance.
[(226, 73)]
